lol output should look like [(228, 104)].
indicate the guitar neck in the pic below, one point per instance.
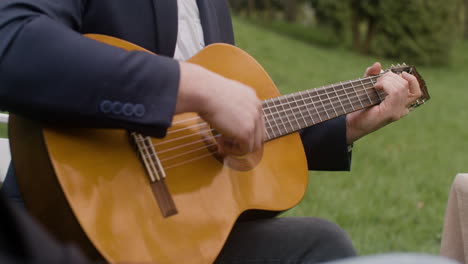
[(293, 112)]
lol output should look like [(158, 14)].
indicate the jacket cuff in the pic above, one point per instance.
[(325, 146)]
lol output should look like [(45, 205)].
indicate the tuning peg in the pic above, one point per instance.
[(404, 64)]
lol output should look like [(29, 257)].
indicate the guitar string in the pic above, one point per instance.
[(293, 114), (324, 106), (167, 167), (328, 99), (188, 152), (308, 98), (187, 144), (298, 106), (279, 113), (199, 148), (194, 150), (328, 90), (208, 130)]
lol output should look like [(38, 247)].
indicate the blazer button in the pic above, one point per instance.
[(127, 109), (106, 106), (139, 110), (117, 108)]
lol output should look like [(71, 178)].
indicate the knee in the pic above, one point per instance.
[(331, 240)]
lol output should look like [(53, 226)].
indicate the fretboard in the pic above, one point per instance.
[(292, 112)]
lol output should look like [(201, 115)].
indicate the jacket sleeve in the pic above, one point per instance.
[(50, 72), (325, 145)]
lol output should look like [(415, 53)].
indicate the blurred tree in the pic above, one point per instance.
[(268, 13), (333, 14), (290, 10), (466, 20), (250, 7), (421, 31), (267, 8), (365, 16)]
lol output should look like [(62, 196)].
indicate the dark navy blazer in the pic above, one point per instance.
[(50, 72)]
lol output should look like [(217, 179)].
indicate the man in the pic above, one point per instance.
[(50, 72)]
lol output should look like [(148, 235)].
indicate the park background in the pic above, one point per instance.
[(394, 198)]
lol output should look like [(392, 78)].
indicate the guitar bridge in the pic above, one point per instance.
[(155, 173)]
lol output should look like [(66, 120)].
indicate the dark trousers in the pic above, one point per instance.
[(286, 240), (271, 240)]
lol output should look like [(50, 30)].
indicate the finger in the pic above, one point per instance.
[(374, 69), (392, 82), (260, 133), (399, 83), (233, 147), (221, 147), (414, 87)]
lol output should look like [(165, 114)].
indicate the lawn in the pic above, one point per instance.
[(395, 196), (3, 130)]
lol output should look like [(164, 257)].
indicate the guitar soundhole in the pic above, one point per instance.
[(240, 163)]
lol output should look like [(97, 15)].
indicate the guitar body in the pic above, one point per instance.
[(90, 186)]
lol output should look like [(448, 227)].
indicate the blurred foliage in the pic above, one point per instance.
[(424, 31), (417, 31), (420, 31)]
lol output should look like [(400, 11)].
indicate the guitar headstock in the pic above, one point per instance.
[(412, 70)]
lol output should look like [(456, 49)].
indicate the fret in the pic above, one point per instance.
[(338, 98), (283, 101), (377, 92), (366, 91), (357, 95), (275, 116), (347, 95), (266, 113), (292, 111), (307, 108), (329, 99), (312, 103), (315, 105), (299, 112), (374, 92), (321, 101), (289, 113), (341, 95)]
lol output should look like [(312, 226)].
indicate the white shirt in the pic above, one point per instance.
[(189, 33)]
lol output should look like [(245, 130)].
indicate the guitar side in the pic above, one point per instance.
[(108, 191)]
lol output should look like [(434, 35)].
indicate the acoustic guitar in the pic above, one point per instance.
[(127, 197)]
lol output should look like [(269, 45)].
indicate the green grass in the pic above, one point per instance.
[(3, 130), (395, 196), (313, 35)]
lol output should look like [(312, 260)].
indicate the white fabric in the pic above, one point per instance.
[(455, 233), (4, 151), (3, 118), (190, 33), (4, 157)]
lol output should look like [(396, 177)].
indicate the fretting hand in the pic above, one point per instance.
[(402, 90)]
